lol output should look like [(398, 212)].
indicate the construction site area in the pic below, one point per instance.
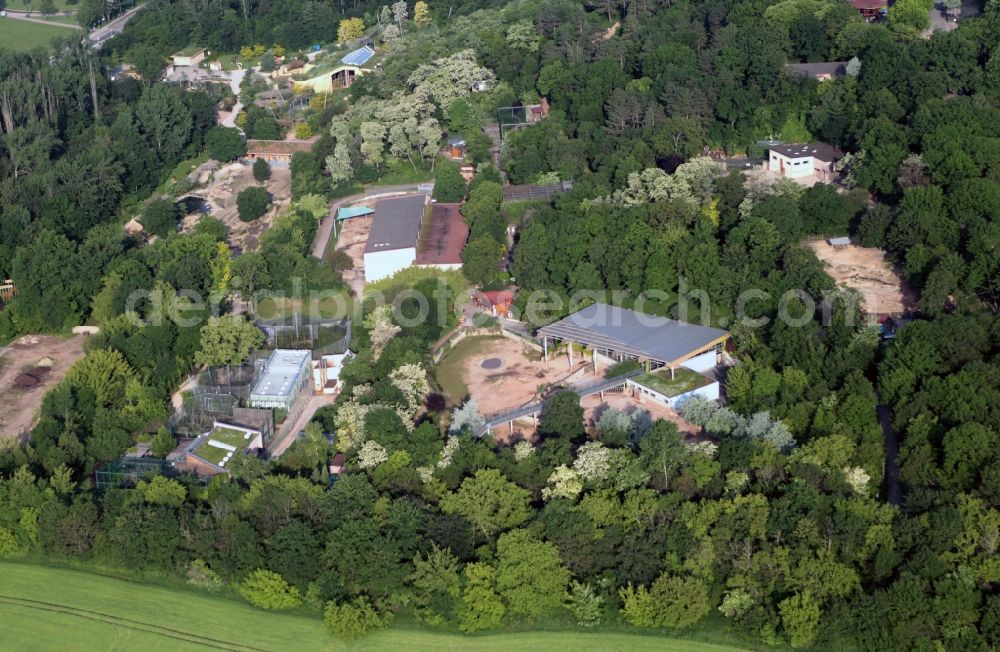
[(867, 270), (29, 367), (219, 191)]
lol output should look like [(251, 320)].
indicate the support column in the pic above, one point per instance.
[(595, 361), (511, 422), (545, 348), (569, 346), (671, 373)]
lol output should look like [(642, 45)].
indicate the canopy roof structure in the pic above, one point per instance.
[(347, 212), (634, 334)]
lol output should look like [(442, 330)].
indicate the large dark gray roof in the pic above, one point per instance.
[(396, 224), (634, 333), (818, 151)]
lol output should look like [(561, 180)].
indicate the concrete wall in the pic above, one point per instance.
[(709, 392), (382, 264), (793, 168), (192, 60), (701, 363), (324, 83)]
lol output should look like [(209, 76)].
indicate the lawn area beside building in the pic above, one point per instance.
[(684, 380), (53, 609)]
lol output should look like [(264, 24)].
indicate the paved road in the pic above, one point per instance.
[(113, 28), (23, 15)]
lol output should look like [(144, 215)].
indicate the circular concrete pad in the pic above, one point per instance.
[(491, 363)]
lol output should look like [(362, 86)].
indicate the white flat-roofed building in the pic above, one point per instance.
[(286, 373), (395, 232), (800, 161)]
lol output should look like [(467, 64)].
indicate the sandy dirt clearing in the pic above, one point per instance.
[(20, 406), (868, 271), (352, 238), (516, 381)]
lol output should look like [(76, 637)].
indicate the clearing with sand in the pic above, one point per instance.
[(514, 383), (20, 406), (221, 193), (352, 238), (867, 270)]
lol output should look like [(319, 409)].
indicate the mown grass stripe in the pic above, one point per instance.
[(109, 619)]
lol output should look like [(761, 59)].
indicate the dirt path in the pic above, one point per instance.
[(20, 406)]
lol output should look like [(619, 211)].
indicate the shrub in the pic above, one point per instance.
[(339, 261), (352, 620), (303, 131), (449, 186), (252, 203), (261, 170), (163, 443), (160, 217), (199, 574), (675, 602), (268, 590), (225, 143)]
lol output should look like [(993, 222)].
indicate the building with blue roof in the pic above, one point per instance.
[(358, 57)]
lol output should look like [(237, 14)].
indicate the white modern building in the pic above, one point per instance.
[(801, 161), (326, 372), (286, 373), (395, 232)]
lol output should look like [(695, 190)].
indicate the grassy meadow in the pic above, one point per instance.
[(44, 609)]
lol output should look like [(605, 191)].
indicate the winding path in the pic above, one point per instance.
[(28, 18)]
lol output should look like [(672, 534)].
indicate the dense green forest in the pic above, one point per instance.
[(778, 525)]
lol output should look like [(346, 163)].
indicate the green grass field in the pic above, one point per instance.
[(22, 35), (44, 608)]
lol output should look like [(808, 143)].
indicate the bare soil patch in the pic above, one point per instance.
[(353, 238), (221, 193), (867, 270), (516, 382), (22, 357)]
